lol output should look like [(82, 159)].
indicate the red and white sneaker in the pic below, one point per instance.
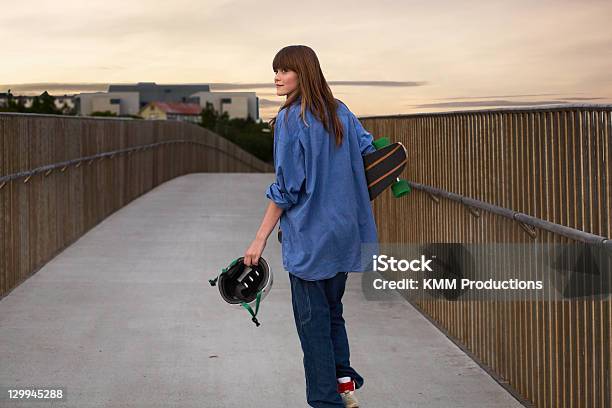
[(347, 391)]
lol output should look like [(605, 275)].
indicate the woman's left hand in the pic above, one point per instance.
[(253, 253)]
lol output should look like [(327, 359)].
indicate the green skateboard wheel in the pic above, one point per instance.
[(400, 188), (381, 142)]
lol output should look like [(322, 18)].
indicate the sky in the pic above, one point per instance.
[(380, 58)]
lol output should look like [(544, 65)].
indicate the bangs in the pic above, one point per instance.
[(282, 60)]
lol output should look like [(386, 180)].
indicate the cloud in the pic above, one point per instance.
[(379, 83), (51, 87), (497, 96), (214, 86), (494, 102), (585, 99), (254, 85)]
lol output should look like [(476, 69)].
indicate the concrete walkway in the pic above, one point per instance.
[(125, 317)]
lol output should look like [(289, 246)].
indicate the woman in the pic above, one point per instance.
[(320, 195)]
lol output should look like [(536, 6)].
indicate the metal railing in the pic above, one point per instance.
[(516, 170), (89, 168), (47, 169), (525, 220)]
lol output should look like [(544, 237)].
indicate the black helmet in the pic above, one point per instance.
[(244, 285)]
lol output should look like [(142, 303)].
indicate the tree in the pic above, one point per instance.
[(44, 103), (209, 116), (253, 137)]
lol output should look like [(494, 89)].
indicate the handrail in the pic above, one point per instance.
[(568, 232), (50, 167)]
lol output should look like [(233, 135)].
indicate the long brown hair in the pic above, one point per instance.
[(312, 87)]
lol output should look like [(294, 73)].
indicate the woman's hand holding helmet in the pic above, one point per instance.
[(254, 251)]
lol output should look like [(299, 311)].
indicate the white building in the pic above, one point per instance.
[(125, 99), (119, 103), (68, 100), (236, 104)]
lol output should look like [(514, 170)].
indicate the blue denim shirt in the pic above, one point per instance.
[(323, 192)]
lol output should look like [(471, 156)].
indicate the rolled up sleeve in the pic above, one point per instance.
[(289, 166), (364, 137)]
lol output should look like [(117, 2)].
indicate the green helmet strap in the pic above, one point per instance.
[(248, 308), (213, 282)]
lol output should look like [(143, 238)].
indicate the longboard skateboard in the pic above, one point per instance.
[(382, 169)]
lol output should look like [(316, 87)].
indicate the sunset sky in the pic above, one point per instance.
[(383, 57)]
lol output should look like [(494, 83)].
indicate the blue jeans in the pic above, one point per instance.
[(317, 309)]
